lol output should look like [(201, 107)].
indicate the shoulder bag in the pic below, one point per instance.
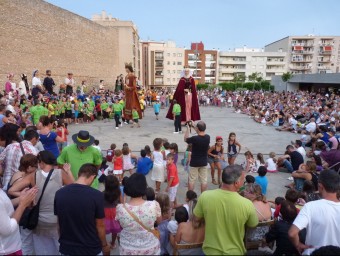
[(155, 232), (31, 217)]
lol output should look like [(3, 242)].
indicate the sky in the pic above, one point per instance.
[(219, 24)]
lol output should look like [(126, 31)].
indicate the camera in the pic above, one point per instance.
[(190, 123)]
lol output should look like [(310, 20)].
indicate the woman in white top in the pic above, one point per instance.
[(9, 229), (36, 83)]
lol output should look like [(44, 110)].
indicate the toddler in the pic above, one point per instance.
[(118, 164)]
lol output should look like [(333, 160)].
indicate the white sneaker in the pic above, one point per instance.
[(290, 178), (180, 132), (125, 123), (121, 124), (175, 132), (117, 128)]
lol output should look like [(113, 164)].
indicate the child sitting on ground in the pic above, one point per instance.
[(259, 160), (271, 163), (144, 164), (261, 179)]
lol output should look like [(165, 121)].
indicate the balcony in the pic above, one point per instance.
[(231, 62), (325, 52), (304, 44), (159, 57), (159, 74), (303, 52), (301, 60), (159, 66), (324, 60), (324, 67), (300, 67)]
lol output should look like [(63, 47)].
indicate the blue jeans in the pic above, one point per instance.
[(299, 184), (288, 165)]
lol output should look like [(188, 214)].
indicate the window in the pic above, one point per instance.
[(253, 67), (168, 79), (174, 71), (179, 63), (168, 54), (179, 55), (168, 62), (168, 71), (179, 71), (174, 63), (174, 54), (261, 66), (173, 79)]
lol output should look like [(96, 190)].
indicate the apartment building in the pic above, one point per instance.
[(162, 64), (203, 63), (245, 61), (128, 41), (309, 54)]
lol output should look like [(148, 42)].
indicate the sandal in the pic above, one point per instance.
[(214, 182)]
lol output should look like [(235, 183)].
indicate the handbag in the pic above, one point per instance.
[(155, 232), (30, 217)]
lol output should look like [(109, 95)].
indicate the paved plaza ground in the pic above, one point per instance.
[(220, 121)]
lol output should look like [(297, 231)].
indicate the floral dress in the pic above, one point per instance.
[(134, 239)]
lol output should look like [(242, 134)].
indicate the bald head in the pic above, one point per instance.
[(201, 126)]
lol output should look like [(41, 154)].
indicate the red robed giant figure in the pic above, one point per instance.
[(186, 97)]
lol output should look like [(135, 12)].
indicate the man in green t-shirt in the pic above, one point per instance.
[(37, 111), (79, 153), (226, 214), (176, 111)]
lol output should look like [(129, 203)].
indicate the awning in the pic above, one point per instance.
[(327, 48), (298, 48)]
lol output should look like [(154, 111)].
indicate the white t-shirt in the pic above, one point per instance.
[(311, 127), (69, 82), (271, 165), (321, 219), (302, 151), (36, 81), (157, 158), (10, 241)]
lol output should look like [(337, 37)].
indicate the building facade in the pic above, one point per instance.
[(309, 54), (162, 64), (203, 63), (128, 41), (245, 61), (38, 35)]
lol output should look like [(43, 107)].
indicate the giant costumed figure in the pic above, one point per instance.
[(186, 97)]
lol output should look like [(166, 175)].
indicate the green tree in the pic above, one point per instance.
[(239, 78), (255, 77), (286, 77)]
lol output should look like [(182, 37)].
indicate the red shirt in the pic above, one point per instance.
[(118, 163), (172, 173)]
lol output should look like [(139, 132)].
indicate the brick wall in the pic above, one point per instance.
[(36, 34)]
